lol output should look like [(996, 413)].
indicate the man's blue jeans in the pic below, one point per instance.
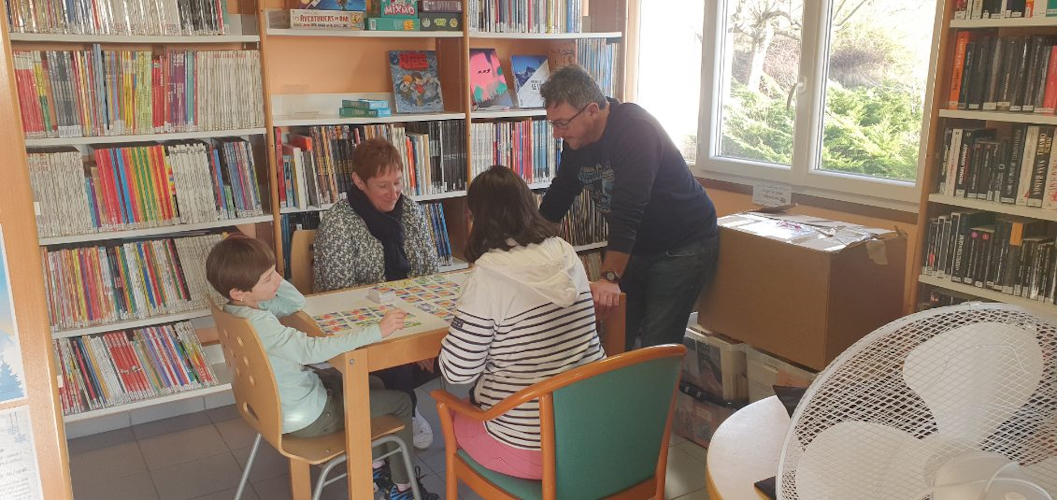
[(663, 288)]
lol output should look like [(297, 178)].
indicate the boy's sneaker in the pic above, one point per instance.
[(421, 431), (409, 494), (383, 478)]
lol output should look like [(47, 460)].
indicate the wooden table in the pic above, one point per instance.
[(745, 449), (407, 346)]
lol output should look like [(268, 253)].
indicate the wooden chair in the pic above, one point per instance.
[(302, 259), (257, 399), (604, 430), (612, 327)]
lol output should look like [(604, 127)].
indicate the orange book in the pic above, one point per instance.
[(1049, 101), (958, 69)]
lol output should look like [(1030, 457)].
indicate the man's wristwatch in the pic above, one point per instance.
[(611, 276)]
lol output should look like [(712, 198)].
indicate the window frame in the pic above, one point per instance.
[(802, 175)]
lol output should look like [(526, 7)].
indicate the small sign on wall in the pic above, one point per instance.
[(19, 479), (772, 195)]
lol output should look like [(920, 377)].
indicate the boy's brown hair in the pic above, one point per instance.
[(237, 262), (375, 157)]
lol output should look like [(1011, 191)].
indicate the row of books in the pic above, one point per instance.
[(100, 284), (289, 223), (117, 17), (1011, 255), (583, 224), (1020, 169), (597, 57), (998, 9), (115, 368), (592, 264), (433, 153), (1016, 73), (529, 16), (134, 187), (526, 146), (98, 92), (439, 230)]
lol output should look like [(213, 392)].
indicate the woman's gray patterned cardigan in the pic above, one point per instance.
[(347, 255)]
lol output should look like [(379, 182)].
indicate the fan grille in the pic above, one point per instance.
[(866, 384)]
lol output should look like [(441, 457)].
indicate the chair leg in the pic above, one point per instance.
[(410, 468), (249, 465), (300, 480), (324, 473)]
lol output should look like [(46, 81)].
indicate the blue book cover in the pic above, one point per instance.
[(530, 73), (416, 84)]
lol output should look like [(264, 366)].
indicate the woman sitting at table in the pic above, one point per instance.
[(525, 315), (377, 234)]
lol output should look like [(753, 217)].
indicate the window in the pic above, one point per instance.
[(669, 75), (828, 95)]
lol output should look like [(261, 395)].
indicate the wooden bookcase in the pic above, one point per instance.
[(934, 203)]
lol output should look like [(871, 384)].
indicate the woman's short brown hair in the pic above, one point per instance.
[(503, 209), (238, 262), (375, 157)]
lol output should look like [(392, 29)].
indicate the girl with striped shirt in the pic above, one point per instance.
[(525, 315)]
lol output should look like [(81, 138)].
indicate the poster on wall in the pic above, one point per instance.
[(19, 479), (12, 377)]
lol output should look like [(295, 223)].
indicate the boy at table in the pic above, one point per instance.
[(243, 270)]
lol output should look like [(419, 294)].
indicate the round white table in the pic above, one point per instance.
[(745, 449)]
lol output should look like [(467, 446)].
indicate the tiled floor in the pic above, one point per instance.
[(200, 456)]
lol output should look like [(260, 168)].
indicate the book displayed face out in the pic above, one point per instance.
[(488, 86), (416, 85)]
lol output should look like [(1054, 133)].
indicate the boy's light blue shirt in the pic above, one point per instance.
[(300, 391)]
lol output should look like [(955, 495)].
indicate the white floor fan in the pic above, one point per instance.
[(955, 403)]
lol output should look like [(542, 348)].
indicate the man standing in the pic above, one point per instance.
[(663, 239)]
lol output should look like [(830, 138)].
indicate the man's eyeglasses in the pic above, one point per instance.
[(564, 124)]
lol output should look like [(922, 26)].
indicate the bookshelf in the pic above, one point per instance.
[(301, 74), (996, 185)]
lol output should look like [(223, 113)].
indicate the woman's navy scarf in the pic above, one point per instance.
[(388, 228)]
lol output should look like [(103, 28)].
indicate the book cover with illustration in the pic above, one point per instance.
[(488, 86), (530, 73), (346, 5), (416, 85)]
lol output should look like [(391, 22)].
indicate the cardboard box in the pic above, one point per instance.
[(765, 372), (715, 364), (326, 19), (441, 21), (392, 24), (393, 8), (340, 5), (440, 6), (801, 287), (698, 420)]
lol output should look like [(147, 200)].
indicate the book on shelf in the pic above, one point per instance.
[(288, 223), (592, 262), (416, 83), (393, 24), (118, 17), (595, 56), (115, 368), (1006, 254), (94, 285), (96, 92), (364, 113), (530, 73), (321, 19), (433, 154), (439, 231), (530, 16), (1000, 9), (488, 86), (526, 146), (136, 187), (1015, 73), (1015, 169), (583, 224)]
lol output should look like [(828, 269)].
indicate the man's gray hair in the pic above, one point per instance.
[(573, 86)]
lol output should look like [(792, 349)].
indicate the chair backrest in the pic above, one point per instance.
[(612, 327), (302, 259), (300, 320), (610, 423), (252, 380)]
